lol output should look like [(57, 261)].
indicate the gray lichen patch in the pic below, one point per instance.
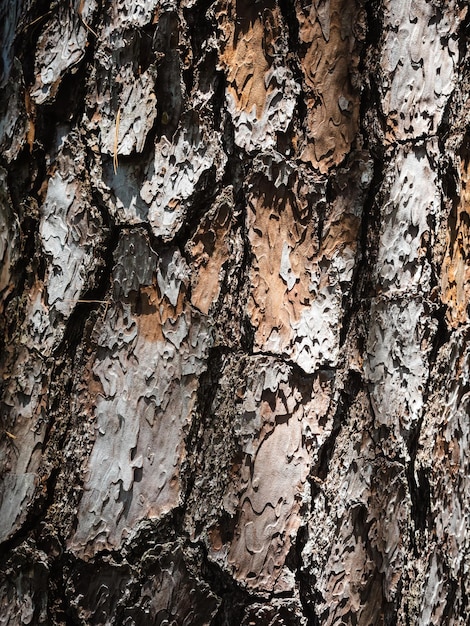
[(61, 46), (176, 173), (275, 431), (70, 235), (418, 61), (141, 413)]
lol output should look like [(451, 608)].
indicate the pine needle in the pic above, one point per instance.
[(116, 141), (80, 11), (38, 19), (88, 27)]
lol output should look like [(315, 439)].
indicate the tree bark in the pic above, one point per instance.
[(234, 299)]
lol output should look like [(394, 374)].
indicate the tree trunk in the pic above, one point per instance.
[(234, 292)]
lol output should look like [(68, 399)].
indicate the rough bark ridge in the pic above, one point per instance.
[(234, 293)]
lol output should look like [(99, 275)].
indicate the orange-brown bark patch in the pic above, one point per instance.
[(209, 250), (249, 36), (274, 232), (330, 59), (455, 278), (290, 263)]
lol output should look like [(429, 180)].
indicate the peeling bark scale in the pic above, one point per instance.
[(234, 303)]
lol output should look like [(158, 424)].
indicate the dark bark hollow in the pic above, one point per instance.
[(234, 287)]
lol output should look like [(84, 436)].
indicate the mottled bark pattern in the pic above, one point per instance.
[(234, 286)]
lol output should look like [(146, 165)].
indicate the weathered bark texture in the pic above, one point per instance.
[(234, 298)]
